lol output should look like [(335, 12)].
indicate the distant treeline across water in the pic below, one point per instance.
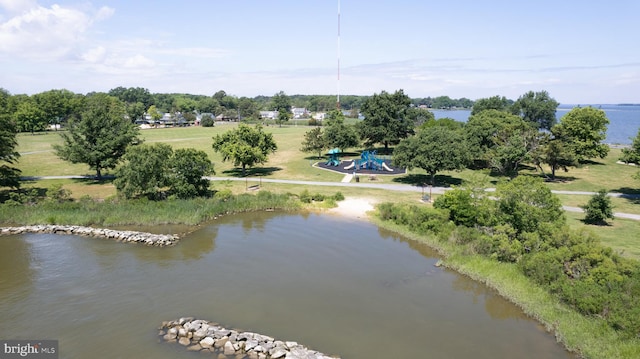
[(623, 126)]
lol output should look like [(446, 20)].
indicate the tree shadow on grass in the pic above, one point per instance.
[(599, 224), (627, 192), (92, 181), (591, 163), (425, 180), (315, 158), (252, 172)]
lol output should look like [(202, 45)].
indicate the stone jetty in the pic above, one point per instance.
[(208, 337), (149, 239)]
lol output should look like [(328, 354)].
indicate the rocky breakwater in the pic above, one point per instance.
[(208, 337), (123, 236)]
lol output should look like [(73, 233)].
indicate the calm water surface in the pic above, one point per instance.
[(624, 121), (339, 286)]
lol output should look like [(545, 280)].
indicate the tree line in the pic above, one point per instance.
[(500, 135), (54, 107)]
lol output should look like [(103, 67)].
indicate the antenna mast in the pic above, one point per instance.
[(338, 96)]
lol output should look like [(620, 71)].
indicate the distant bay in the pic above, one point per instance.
[(623, 126)]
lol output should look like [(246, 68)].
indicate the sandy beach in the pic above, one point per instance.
[(354, 207)]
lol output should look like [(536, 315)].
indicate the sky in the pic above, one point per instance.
[(580, 51)]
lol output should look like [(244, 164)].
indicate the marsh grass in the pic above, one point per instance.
[(88, 212)]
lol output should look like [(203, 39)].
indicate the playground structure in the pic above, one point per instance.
[(334, 160), (368, 161)]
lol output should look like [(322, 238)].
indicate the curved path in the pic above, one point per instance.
[(384, 186)]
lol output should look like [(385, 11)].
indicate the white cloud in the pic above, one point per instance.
[(18, 6), (105, 12), (201, 52), (94, 55), (44, 33), (137, 61)]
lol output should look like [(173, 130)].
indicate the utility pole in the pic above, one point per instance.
[(338, 97)]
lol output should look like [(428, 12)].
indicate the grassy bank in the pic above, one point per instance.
[(588, 337), (87, 212)]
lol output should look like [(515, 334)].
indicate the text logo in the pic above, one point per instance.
[(45, 349)]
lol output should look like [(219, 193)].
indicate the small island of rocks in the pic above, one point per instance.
[(209, 337)]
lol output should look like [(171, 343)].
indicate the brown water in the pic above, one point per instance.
[(338, 286)]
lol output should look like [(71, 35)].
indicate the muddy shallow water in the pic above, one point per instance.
[(339, 286)]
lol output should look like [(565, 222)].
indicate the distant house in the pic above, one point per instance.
[(226, 117), (299, 112), (271, 115), (319, 116)]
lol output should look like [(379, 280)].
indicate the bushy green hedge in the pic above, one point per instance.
[(570, 264)]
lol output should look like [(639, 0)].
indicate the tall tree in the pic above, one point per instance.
[(555, 153), (339, 134), (9, 175), (281, 103), (132, 95), (154, 113), (481, 130), (536, 107), (434, 149), (59, 105), (100, 137), (584, 129), (148, 170), (29, 117), (135, 111), (513, 145), (491, 103), (246, 146), (420, 116), (385, 119), (314, 141), (248, 108), (144, 172), (187, 169)]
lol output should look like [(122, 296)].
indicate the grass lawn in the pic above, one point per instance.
[(621, 234)]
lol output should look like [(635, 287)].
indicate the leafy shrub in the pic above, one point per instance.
[(460, 204), (526, 203), (543, 267), (338, 196), (207, 121), (305, 196), (598, 209), (465, 235), (314, 122), (419, 219), (223, 195), (58, 194)]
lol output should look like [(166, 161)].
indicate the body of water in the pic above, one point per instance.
[(623, 126), (338, 286)]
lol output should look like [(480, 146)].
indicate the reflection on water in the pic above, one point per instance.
[(338, 286), (17, 267)]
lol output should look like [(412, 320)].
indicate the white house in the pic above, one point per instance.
[(299, 112), (271, 115)]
